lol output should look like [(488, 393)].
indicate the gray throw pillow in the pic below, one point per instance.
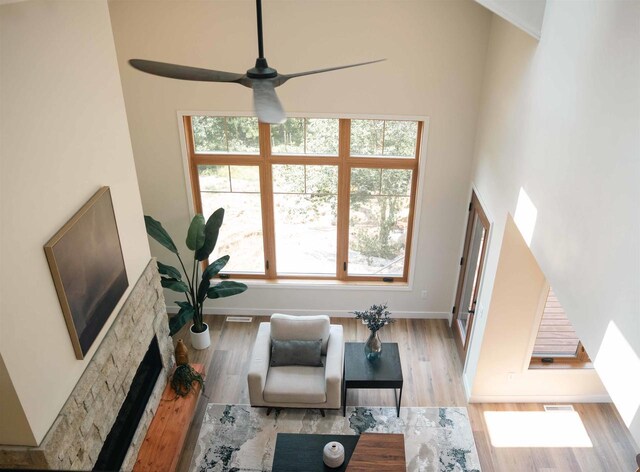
[(295, 352)]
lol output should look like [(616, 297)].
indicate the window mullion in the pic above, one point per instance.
[(266, 197), (344, 171)]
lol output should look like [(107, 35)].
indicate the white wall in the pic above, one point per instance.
[(518, 297), (561, 120), (64, 134), (435, 56)]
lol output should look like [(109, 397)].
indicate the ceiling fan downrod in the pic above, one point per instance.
[(261, 69)]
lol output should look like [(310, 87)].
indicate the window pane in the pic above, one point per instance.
[(322, 137), (214, 179), (208, 134), (288, 179), (366, 137), (305, 136), (366, 181), (400, 138), (378, 222), (288, 137), (238, 134), (556, 335), (322, 180), (396, 182), (237, 190), (383, 138), (242, 134), (245, 179), (305, 222)]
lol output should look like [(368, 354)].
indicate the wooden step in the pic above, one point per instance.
[(165, 437)]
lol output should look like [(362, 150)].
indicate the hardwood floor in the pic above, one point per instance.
[(432, 377)]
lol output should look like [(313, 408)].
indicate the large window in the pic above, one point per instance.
[(310, 198)]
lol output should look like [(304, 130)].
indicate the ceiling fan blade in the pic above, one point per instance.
[(318, 71), (175, 71), (266, 103)]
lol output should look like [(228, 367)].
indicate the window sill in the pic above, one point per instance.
[(559, 364), (325, 284)]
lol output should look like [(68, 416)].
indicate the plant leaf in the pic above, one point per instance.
[(175, 285), (225, 289), (195, 235), (211, 230), (184, 315), (202, 289), (215, 267), (169, 271), (157, 232)]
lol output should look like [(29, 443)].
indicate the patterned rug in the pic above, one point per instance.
[(240, 438)]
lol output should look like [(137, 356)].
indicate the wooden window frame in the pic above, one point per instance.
[(265, 159)]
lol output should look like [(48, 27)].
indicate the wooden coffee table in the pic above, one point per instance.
[(364, 453), (385, 372)]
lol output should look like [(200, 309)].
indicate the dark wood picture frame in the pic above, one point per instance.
[(88, 270)]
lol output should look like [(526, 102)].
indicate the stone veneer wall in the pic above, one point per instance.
[(76, 436)]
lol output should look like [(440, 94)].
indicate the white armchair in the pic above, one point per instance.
[(297, 386)]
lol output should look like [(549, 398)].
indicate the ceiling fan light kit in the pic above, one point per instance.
[(261, 78)]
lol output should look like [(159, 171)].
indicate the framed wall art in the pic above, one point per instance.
[(87, 266)]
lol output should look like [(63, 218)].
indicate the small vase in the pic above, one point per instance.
[(333, 454), (182, 353), (373, 346), (200, 340)]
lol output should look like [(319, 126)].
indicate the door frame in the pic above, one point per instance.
[(475, 208)]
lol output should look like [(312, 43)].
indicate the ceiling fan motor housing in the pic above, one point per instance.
[(262, 70)]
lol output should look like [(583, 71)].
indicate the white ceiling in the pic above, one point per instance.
[(527, 15)]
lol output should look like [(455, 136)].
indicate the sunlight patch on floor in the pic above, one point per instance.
[(536, 429)]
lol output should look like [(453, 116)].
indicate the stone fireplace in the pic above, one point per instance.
[(77, 436)]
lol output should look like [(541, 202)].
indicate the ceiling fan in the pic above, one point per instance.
[(261, 78)]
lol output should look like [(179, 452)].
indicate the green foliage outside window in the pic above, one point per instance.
[(383, 138), (305, 136), (379, 197), (232, 134)]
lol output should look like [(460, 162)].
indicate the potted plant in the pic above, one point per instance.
[(375, 318), (201, 240)]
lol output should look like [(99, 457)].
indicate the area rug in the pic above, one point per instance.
[(236, 438)]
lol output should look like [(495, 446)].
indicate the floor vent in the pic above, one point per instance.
[(239, 319), (558, 408)]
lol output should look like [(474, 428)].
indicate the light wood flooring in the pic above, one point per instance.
[(432, 377)]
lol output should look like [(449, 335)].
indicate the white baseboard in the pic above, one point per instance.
[(429, 315), (539, 399)]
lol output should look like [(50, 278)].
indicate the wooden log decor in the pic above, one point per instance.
[(166, 435)]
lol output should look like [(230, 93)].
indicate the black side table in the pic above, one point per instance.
[(385, 372)]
